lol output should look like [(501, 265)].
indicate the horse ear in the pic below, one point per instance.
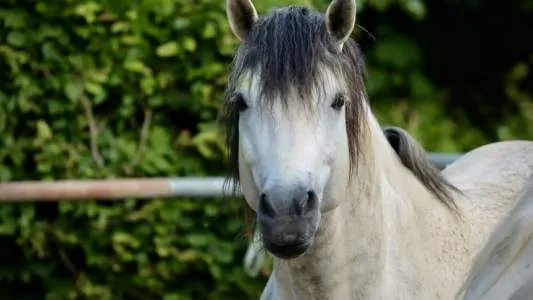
[(241, 15), (340, 20)]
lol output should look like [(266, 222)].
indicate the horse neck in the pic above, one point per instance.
[(358, 241), (383, 184)]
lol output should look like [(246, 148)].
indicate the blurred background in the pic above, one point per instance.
[(112, 89)]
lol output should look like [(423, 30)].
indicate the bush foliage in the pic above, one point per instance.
[(107, 89)]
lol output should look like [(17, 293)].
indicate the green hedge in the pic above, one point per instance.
[(107, 89)]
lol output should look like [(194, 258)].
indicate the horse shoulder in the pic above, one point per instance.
[(491, 175)]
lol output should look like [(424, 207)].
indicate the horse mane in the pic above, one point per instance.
[(503, 247), (414, 158)]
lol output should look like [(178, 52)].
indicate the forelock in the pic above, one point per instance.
[(289, 48)]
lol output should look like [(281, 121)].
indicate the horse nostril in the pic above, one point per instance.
[(266, 207), (312, 200), (305, 203)]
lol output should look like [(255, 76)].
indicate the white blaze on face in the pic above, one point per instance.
[(290, 145)]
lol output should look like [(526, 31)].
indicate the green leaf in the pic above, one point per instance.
[(94, 88), (198, 239), (209, 31), (120, 26), (88, 10), (189, 44), (168, 49), (137, 66), (43, 130), (16, 39), (74, 90), (148, 84), (125, 239), (131, 40), (415, 8), (15, 19)]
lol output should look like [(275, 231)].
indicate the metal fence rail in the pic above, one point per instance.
[(116, 189), (111, 189)]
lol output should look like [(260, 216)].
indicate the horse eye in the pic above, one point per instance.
[(240, 104), (338, 102)]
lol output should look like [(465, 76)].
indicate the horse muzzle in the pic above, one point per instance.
[(287, 237), (288, 224)]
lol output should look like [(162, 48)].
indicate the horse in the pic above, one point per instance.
[(347, 210), (503, 268)]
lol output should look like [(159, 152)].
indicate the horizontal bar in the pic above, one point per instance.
[(112, 189), (443, 159), (115, 189)]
